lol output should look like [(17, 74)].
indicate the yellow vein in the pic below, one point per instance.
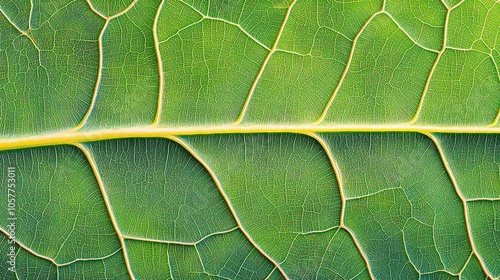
[(112, 16), (445, 4), (13, 24), (338, 175), (336, 171), (483, 199), (100, 59), (98, 79), (108, 205), (228, 202), (91, 6), (289, 249), (439, 270), (170, 266), (497, 118), (210, 275), (465, 265), (427, 83), (436, 62), (180, 30), (406, 250), (24, 33), (315, 231), (375, 193), (71, 137), (222, 20), (20, 244), (201, 261), (434, 239), (470, 49), (361, 251), (240, 28), (270, 273), (324, 253), (409, 36), (29, 250), (264, 64), (124, 11), (161, 85), (243, 262), (91, 259), (30, 16), (180, 242), (346, 69), (464, 202), (458, 4)]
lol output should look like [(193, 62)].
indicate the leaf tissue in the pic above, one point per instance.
[(280, 139)]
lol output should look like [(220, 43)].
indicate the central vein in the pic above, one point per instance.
[(72, 137)]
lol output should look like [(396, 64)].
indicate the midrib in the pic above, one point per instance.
[(80, 136)]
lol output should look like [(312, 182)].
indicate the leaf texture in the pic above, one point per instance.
[(282, 139)]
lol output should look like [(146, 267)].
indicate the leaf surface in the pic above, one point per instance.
[(283, 139)]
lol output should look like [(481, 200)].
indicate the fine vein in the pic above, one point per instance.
[(346, 69), (228, 203), (97, 82), (464, 203), (109, 208), (436, 62), (263, 67), (343, 199), (38, 255), (160, 65)]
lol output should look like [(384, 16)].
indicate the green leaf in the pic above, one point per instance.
[(283, 139)]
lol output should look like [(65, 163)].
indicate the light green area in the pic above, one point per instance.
[(336, 258), (232, 256), (58, 205), (399, 196), (110, 8), (421, 247), (300, 78), (464, 90), (18, 11), (474, 24), (475, 162), (220, 67), (158, 190), (186, 264), (473, 270), (377, 222), (423, 20), (280, 203), (261, 19), (27, 265), (128, 93), (439, 275), (485, 228), (47, 75), (112, 267), (149, 260), (229, 255), (386, 77)]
